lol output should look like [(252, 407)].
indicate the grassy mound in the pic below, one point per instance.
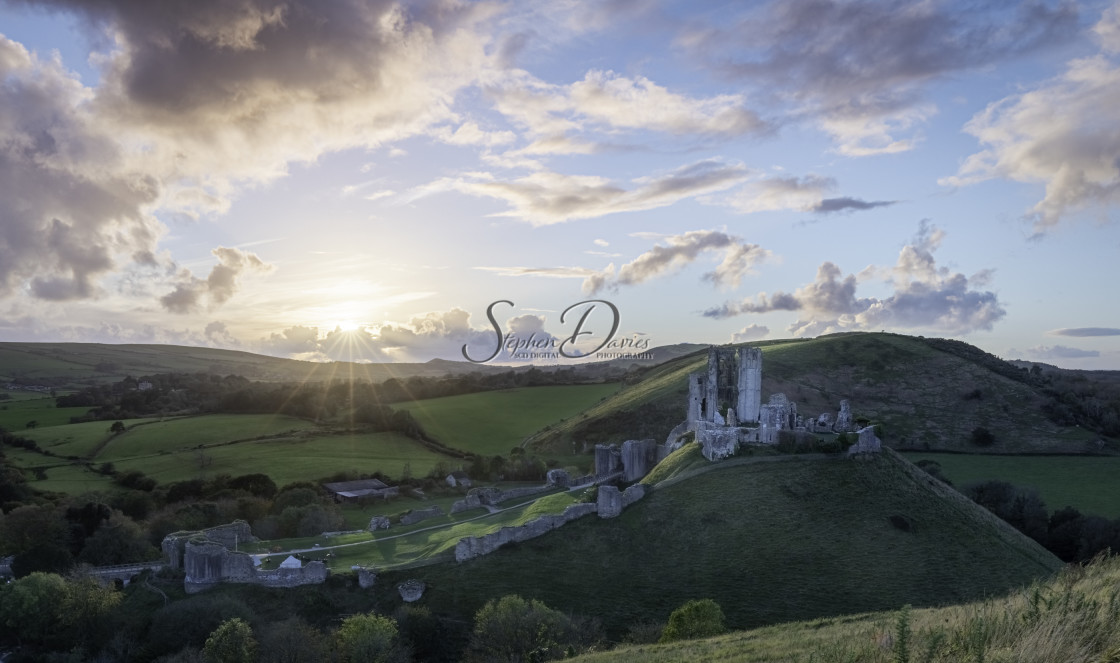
[(928, 394), (773, 540), (1073, 617)]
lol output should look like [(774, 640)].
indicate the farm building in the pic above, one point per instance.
[(345, 491)]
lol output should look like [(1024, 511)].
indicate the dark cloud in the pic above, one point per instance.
[(1043, 352), (1086, 331), (739, 258), (830, 205), (71, 209), (859, 66), (218, 287), (925, 297)]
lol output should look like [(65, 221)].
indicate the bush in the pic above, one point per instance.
[(696, 619), (982, 437)]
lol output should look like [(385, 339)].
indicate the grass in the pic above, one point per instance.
[(1085, 482), (82, 440), (292, 458), (191, 432), (494, 422), (1072, 617), (770, 541), (15, 414), (428, 541)]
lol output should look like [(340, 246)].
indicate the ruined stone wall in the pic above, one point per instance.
[(638, 458), (868, 443), (476, 546), (633, 494), (312, 573), (750, 384), (609, 503), (227, 536), (208, 563), (413, 517)]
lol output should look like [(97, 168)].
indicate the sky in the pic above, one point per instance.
[(539, 181)]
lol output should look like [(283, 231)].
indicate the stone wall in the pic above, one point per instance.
[(413, 517), (208, 563), (227, 536), (609, 504), (476, 546), (633, 494), (868, 443), (638, 458)]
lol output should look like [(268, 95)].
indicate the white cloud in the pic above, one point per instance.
[(218, 287), (925, 297), (739, 259), (749, 333), (546, 197), (1062, 134), (1043, 352)]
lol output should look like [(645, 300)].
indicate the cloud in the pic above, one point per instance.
[(860, 67), (545, 197), (196, 100), (436, 334), (924, 296), (1060, 352), (1061, 134), (751, 332), (547, 272), (218, 287), (72, 209), (1086, 331), (802, 194), (605, 101), (739, 258)]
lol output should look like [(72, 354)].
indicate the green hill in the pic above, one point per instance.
[(69, 364), (928, 394), (771, 539)]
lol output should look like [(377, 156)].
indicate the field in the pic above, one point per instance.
[(16, 413), (773, 540), (494, 422), (1085, 482), (286, 448)]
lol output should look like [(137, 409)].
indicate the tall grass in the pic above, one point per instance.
[(1073, 617)]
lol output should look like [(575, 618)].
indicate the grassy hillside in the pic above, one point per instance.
[(928, 394), (771, 541), (1072, 617), (494, 422)]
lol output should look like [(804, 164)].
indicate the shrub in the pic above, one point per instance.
[(695, 619)]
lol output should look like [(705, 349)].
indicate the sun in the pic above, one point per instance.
[(345, 326)]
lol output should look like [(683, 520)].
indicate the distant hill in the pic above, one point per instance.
[(771, 539), (63, 364), (928, 394), (78, 364)]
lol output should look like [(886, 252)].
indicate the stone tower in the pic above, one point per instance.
[(750, 384)]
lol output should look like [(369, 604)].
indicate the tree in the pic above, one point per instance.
[(369, 638), (231, 642), (517, 630), (291, 641), (695, 619), (117, 427), (32, 424), (33, 606)]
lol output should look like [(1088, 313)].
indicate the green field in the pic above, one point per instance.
[(494, 422), (771, 541), (289, 459), (1087, 483), (16, 413)]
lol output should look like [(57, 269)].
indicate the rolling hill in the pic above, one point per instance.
[(772, 539), (928, 394)]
